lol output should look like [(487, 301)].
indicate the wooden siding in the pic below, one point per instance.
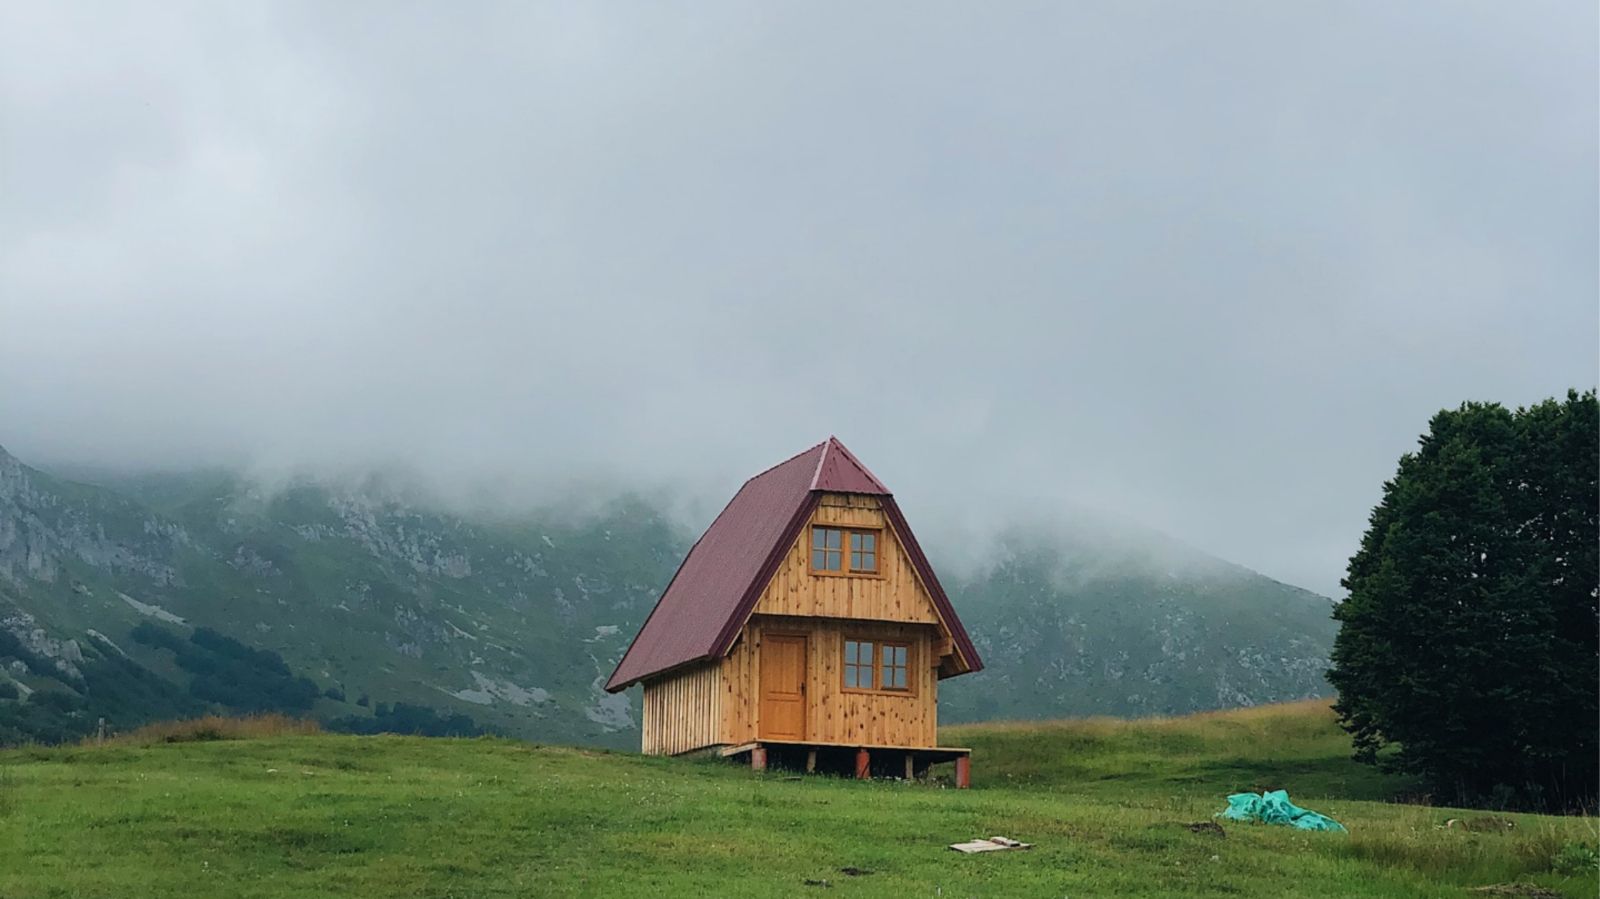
[(682, 711), (895, 594), (834, 715)]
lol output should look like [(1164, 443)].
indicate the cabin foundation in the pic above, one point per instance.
[(860, 762)]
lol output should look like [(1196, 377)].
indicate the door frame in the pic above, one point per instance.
[(805, 682)]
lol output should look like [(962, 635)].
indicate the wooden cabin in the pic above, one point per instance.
[(806, 621)]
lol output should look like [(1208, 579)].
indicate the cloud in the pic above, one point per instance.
[(1210, 268)]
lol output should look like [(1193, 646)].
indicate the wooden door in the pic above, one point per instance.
[(783, 687)]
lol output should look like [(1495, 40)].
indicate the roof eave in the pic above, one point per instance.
[(919, 560), (752, 595), (612, 687)]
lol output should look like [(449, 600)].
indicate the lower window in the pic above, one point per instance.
[(877, 667)]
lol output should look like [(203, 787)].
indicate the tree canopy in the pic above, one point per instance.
[(1467, 654)]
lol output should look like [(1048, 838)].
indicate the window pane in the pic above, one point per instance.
[(819, 559), (865, 656), (894, 673), (850, 647), (817, 538), (835, 539), (850, 676), (869, 542)]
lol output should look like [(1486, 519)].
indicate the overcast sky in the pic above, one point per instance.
[(1207, 266)]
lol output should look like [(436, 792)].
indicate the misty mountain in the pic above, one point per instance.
[(153, 596), (1116, 620)]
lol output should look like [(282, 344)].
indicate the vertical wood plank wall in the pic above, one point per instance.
[(834, 715), (682, 711), (720, 702), (896, 595)]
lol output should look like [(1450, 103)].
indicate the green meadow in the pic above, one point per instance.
[(272, 809)]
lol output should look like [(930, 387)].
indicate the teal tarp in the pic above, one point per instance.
[(1275, 808)]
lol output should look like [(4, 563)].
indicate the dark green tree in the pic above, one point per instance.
[(1468, 654)]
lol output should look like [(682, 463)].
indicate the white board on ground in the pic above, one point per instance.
[(992, 844)]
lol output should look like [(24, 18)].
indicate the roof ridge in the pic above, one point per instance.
[(833, 443), (786, 461), (822, 459)]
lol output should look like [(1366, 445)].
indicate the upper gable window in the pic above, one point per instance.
[(864, 551), (844, 550), (826, 549)]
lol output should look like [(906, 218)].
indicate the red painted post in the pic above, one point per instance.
[(758, 758), (963, 772), (863, 765)]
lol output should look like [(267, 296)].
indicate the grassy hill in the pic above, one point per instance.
[(1288, 746), (1106, 803)]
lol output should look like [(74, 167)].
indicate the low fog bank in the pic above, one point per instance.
[(1209, 268), (964, 541)]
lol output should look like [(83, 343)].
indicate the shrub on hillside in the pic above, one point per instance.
[(232, 674), (225, 647), (1468, 639), (217, 727), (56, 700), (112, 687), (151, 634), (126, 693), (27, 722)]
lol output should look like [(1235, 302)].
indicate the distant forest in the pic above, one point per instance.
[(224, 675)]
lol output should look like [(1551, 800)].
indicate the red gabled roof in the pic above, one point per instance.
[(706, 603)]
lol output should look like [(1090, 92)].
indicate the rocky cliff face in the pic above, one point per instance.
[(376, 596)]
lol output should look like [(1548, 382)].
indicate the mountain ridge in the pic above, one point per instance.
[(514, 621)]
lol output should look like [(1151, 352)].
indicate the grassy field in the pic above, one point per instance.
[(1106, 803)]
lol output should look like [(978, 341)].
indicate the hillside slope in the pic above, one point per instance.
[(334, 600), (300, 816), (373, 598), (1115, 620)]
